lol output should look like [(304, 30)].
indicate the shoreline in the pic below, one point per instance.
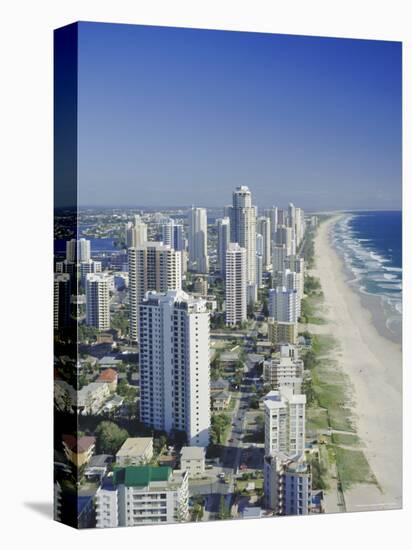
[(372, 302), (373, 363)]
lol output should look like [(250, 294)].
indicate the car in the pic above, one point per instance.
[(222, 475)]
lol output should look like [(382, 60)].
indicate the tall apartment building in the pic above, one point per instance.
[(287, 484), (86, 267), (285, 235), (259, 271), (279, 256), (295, 263), (141, 495), (98, 301), (168, 233), (236, 285), (61, 303), (198, 258), (136, 233), (299, 225), (272, 214), (292, 280), (282, 332), (284, 422), (285, 370), (152, 266), (223, 240), (284, 304), (174, 365), (263, 227), (243, 227), (78, 250), (173, 236)]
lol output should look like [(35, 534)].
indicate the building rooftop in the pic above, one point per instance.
[(80, 444), (276, 398), (251, 512), (219, 384), (134, 446), (192, 453), (108, 360), (141, 476), (108, 375)]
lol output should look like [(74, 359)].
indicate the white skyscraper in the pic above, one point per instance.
[(284, 305), (263, 227), (168, 233), (136, 234), (223, 240), (174, 365), (299, 225), (284, 422), (292, 280), (152, 266), (236, 284), (198, 258), (243, 227), (98, 300), (78, 250)]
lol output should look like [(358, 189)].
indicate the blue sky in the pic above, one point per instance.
[(179, 116)]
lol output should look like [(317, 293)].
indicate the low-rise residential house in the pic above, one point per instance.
[(220, 400), (110, 362), (192, 459), (108, 376), (217, 386), (135, 451), (98, 466), (90, 398), (78, 450), (112, 404), (138, 495)]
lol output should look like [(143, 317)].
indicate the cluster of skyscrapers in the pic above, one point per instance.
[(170, 327)]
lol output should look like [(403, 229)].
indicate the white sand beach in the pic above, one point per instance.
[(374, 366)]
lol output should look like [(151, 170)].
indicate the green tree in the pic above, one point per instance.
[(219, 425), (224, 512), (109, 437), (197, 512)]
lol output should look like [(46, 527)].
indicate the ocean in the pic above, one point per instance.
[(371, 246)]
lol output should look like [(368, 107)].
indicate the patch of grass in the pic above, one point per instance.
[(352, 467), (345, 439), (242, 484), (310, 309), (330, 390), (323, 344), (316, 419)]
